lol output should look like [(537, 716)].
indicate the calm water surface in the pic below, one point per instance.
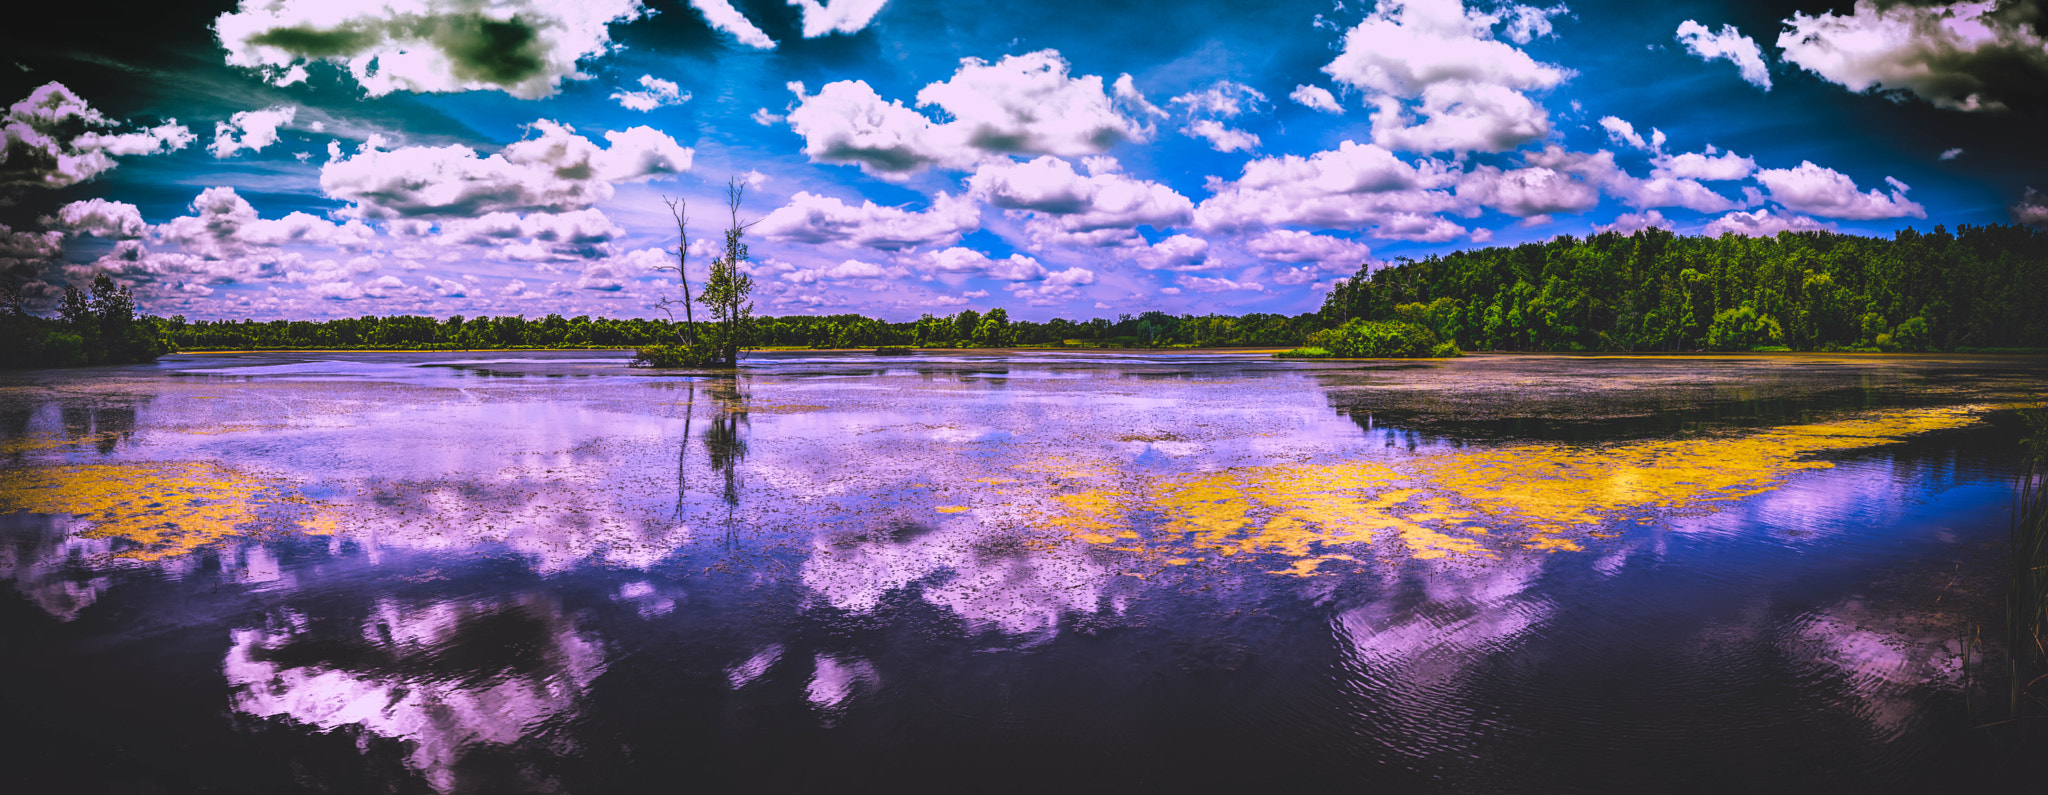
[(542, 571)]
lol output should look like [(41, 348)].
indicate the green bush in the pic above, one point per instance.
[(1742, 329), (1376, 339), (62, 349), (1305, 353), (1912, 335), (671, 356)]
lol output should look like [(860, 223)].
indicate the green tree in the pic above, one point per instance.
[(994, 329), (728, 292)]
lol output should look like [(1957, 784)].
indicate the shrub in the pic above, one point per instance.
[(1912, 335), (1305, 353), (1743, 329), (677, 356), (1376, 339), (62, 349)]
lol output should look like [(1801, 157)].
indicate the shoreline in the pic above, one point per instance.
[(1209, 351)]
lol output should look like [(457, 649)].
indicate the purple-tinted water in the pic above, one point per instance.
[(543, 571)]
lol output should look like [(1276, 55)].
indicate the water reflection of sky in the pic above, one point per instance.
[(456, 554)]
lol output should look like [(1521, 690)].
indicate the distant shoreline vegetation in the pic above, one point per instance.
[(1976, 289)]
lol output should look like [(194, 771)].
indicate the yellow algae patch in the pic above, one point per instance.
[(1094, 516), (324, 522), (1536, 497), (952, 509), (1554, 489), (1307, 506), (1211, 509), (34, 444), (162, 510), (1306, 567), (1331, 505)]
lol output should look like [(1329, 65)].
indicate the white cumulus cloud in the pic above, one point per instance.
[(2032, 208), (1220, 137), (224, 226), (1205, 284), (250, 130), (655, 93), (1631, 223), (53, 139), (555, 172), (1020, 105), (101, 218), (823, 17), (1295, 247), (721, 15), (1208, 107), (810, 218), (1825, 192), (1316, 97), (1966, 56), (1068, 203), (522, 47), (1353, 186), (1709, 165), (1624, 134), (1761, 223), (959, 260), (1057, 287), (1470, 85), (1530, 191), (1729, 45)]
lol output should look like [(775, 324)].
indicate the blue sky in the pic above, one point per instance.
[(324, 158)]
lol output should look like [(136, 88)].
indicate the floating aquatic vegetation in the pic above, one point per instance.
[(151, 511), (1553, 490), (1477, 503)]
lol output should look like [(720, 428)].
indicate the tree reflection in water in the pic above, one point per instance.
[(725, 444)]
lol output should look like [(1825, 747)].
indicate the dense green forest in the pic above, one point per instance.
[(1979, 287), (1976, 288)]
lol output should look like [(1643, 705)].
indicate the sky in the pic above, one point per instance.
[(311, 159)]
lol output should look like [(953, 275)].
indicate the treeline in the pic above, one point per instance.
[(1977, 288), (965, 329)]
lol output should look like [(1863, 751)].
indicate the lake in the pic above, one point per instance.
[(963, 571)]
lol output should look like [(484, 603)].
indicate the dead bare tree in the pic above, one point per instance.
[(680, 210)]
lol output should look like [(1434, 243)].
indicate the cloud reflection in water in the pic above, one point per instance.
[(443, 677)]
